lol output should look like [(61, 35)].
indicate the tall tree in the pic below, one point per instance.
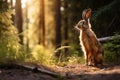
[(11, 5), (9, 45), (11, 2), (19, 21), (27, 22), (58, 24), (42, 23), (65, 19), (50, 23), (5, 0)]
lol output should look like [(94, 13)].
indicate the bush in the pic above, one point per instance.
[(9, 40), (42, 55), (112, 51)]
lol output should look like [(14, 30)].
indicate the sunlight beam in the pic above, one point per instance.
[(22, 1)]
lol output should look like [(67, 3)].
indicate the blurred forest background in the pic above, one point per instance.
[(43, 31)]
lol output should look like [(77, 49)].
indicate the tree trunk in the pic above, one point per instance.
[(13, 16), (11, 2), (66, 25), (27, 25), (5, 1), (19, 20), (42, 23), (58, 25)]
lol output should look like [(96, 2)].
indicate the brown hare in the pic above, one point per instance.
[(91, 47)]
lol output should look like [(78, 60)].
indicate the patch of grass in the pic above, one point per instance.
[(42, 55), (74, 55)]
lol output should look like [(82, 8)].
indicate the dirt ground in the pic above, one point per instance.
[(69, 72)]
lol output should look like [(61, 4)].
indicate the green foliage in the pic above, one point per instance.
[(75, 49), (112, 51), (47, 57), (9, 40), (74, 55), (75, 59), (42, 55)]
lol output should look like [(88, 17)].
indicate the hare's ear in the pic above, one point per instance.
[(86, 14)]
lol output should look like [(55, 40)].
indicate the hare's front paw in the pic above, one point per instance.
[(90, 64), (86, 64)]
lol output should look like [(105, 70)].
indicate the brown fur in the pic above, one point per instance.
[(91, 47)]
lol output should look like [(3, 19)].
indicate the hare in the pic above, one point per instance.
[(91, 47)]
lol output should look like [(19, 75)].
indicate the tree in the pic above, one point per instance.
[(42, 23), (58, 23), (18, 17), (65, 24), (9, 40), (27, 26)]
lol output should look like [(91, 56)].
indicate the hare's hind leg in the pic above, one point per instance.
[(101, 59), (98, 60)]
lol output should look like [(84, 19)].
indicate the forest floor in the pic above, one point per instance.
[(69, 72)]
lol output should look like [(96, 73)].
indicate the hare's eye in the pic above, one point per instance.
[(78, 26), (83, 23)]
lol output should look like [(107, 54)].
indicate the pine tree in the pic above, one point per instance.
[(9, 40)]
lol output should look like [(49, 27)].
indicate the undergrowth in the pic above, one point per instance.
[(41, 55), (112, 51)]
